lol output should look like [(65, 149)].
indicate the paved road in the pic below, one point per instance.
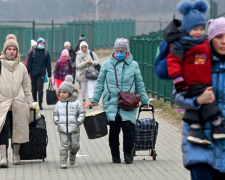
[(94, 159)]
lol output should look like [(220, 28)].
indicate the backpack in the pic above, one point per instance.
[(98, 67), (160, 64)]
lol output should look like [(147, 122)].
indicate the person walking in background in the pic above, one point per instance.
[(68, 116), (186, 68), (63, 67), (33, 46), (207, 162), (129, 78), (16, 98), (72, 55), (84, 61), (39, 60), (81, 38)]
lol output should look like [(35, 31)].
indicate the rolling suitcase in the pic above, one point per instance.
[(146, 132), (95, 124), (38, 140)]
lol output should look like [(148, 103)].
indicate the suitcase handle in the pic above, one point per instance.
[(151, 108), (33, 109)]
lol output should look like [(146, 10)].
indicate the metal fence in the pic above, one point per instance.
[(143, 48), (98, 34)]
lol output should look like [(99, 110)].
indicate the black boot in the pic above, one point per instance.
[(116, 159), (40, 106), (128, 158)]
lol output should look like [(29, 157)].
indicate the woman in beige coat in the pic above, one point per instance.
[(15, 95), (85, 61)]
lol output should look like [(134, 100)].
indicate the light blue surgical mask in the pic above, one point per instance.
[(11, 59), (40, 47), (120, 56)]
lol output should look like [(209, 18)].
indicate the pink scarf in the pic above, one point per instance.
[(62, 60)]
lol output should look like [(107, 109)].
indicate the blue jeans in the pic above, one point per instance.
[(202, 171)]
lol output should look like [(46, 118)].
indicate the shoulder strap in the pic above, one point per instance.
[(179, 44), (33, 52), (91, 55), (117, 79)]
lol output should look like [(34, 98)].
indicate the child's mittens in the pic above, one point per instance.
[(180, 84)]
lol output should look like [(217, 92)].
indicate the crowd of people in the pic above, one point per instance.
[(197, 71)]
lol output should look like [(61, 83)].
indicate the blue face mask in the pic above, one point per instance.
[(120, 56), (9, 58), (40, 47)]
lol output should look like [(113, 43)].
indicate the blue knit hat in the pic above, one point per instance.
[(40, 39), (193, 14)]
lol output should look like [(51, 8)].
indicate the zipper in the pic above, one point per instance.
[(66, 116)]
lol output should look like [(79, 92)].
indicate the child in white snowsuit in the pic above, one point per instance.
[(68, 116)]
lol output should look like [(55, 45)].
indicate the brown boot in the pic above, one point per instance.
[(16, 156), (4, 159)]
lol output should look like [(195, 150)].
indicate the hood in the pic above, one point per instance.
[(173, 31)]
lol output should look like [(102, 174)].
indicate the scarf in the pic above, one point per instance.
[(63, 60), (197, 40)]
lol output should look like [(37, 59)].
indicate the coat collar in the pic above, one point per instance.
[(128, 60), (10, 65)]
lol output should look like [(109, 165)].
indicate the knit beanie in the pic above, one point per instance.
[(67, 85), (40, 39), (193, 14), (11, 40), (121, 44), (33, 43), (82, 37), (216, 27), (67, 43), (83, 43), (65, 52)]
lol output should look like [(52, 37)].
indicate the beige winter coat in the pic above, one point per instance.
[(15, 93), (81, 65)]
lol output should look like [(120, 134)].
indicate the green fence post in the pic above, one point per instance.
[(33, 29), (93, 33), (52, 38)]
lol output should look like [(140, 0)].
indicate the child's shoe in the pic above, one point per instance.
[(218, 132), (84, 104), (72, 159), (196, 136), (63, 162)]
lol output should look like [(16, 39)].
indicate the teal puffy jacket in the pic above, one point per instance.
[(127, 72)]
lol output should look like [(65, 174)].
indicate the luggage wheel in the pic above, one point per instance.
[(153, 154), (43, 159)]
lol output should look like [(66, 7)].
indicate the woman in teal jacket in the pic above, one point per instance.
[(208, 162), (129, 78)]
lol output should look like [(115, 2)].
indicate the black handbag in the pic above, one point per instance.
[(91, 74), (51, 97)]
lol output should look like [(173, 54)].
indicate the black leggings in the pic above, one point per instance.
[(4, 135), (37, 83)]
